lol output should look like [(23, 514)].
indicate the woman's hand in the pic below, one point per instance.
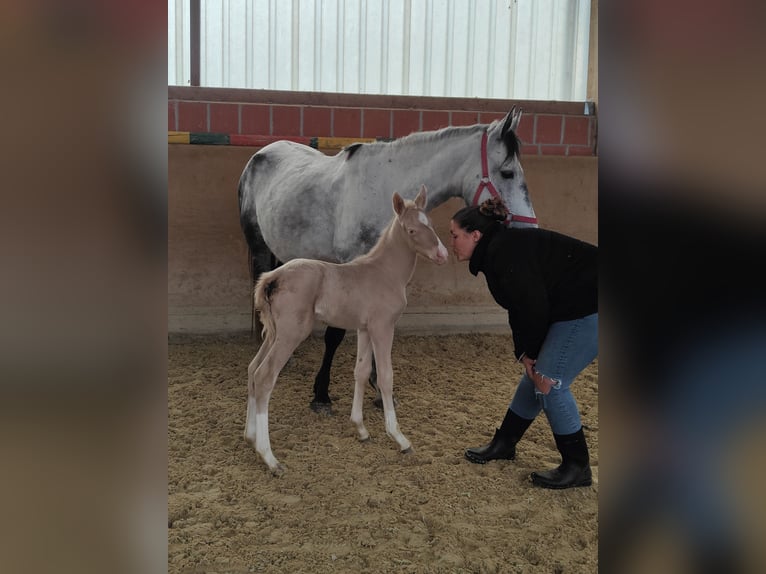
[(529, 366), (542, 383)]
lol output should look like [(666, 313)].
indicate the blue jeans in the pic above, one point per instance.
[(569, 347)]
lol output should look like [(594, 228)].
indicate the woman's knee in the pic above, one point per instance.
[(524, 402)]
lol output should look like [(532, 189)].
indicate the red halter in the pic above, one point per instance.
[(486, 182)]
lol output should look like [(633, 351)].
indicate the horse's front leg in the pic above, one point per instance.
[(378, 400), (382, 342), (361, 374)]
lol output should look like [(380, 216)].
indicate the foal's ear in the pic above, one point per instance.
[(398, 203), (420, 200)]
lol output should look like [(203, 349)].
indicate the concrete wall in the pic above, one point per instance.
[(208, 282)]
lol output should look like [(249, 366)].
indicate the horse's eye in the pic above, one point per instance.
[(507, 173), (412, 231)]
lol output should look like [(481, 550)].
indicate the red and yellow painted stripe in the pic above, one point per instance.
[(260, 141)]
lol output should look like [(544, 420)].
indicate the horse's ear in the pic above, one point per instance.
[(511, 120), (398, 203), (420, 200)]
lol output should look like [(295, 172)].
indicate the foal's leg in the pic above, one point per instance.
[(265, 377), (382, 342), (378, 400), (361, 374), (332, 340), (250, 430)]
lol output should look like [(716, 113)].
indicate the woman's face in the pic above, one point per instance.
[(462, 241)]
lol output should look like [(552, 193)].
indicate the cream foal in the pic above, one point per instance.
[(367, 294)]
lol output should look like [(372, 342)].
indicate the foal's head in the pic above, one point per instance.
[(418, 228)]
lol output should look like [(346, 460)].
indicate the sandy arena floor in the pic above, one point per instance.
[(346, 506)]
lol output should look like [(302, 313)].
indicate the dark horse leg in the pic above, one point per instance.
[(332, 340), (321, 403)]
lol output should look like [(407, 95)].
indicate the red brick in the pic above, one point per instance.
[(579, 150), (553, 150), (530, 150), (548, 129), (287, 120), (256, 120), (465, 118), (406, 122), (435, 120), (224, 118), (576, 130), (489, 117), (192, 117), (347, 122), (526, 129), (172, 117), (316, 122), (377, 123)]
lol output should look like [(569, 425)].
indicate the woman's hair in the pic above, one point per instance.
[(484, 217)]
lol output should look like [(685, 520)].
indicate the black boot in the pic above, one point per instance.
[(574, 469), (503, 445)]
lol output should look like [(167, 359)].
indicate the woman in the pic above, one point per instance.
[(548, 283)]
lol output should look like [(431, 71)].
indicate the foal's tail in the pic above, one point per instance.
[(265, 287)]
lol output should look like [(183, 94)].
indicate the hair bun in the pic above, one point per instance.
[(494, 208)]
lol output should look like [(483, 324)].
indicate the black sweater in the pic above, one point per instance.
[(540, 277)]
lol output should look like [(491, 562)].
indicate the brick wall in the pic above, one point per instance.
[(547, 128)]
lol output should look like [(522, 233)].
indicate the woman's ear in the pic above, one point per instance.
[(476, 234)]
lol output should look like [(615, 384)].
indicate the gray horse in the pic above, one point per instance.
[(296, 202)]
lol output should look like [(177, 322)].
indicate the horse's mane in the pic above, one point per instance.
[(510, 139), (512, 143)]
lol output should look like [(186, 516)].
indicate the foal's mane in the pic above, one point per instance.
[(381, 240), (510, 139)]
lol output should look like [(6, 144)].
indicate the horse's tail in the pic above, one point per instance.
[(265, 287), (259, 256)]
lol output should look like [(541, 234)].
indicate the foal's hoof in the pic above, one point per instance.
[(278, 470), (321, 408)]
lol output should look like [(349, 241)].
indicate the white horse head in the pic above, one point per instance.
[(502, 174)]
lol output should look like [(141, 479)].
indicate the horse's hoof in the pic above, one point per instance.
[(321, 408), (407, 450)]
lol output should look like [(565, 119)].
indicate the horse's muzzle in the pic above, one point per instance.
[(442, 255)]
